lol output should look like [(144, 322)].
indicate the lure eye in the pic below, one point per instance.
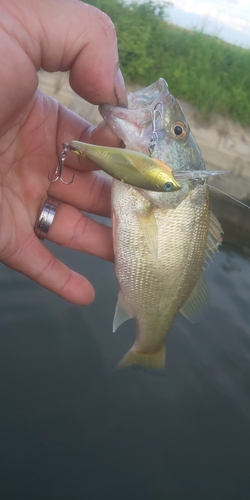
[(179, 130), (168, 186)]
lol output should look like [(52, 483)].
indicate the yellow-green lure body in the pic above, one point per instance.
[(130, 167)]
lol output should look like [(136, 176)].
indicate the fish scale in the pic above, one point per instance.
[(174, 274)]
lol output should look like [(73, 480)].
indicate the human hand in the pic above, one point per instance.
[(57, 36)]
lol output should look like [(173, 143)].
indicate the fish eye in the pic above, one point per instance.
[(168, 186), (179, 130)]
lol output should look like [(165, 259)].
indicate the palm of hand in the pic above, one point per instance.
[(30, 145)]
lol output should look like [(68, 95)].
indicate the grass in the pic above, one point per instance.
[(211, 74), (201, 69)]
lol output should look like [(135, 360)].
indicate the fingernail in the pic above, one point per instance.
[(120, 89)]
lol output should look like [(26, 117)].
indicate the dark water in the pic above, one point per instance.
[(73, 429)]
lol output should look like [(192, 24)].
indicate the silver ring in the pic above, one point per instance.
[(46, 217)]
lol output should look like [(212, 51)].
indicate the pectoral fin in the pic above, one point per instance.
[(214, 238), (198, 302), (150, 231), (121, 313)]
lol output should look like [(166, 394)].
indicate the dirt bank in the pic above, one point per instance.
[(224, 145)]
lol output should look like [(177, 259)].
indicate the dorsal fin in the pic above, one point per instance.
[(197, 304), (150, 231), (214, 238), (121, 313)]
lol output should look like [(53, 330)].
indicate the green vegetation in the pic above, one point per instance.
[(201, 69)]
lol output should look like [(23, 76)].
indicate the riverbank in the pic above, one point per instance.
[(224, 145)]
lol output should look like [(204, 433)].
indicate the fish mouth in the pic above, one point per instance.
[(134, 124), (141, 104)]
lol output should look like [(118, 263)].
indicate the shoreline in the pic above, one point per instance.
[(225, 145)]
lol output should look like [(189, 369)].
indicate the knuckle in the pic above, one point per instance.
[(104, 22), (97, 193), (78, 232), (46, 269)]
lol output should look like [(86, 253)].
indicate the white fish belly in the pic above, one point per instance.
[(155, 289)]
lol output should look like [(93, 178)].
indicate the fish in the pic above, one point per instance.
[(131, 167), (162, 241)]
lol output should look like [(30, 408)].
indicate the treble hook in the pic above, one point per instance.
[(159, 103), (154, 138), (59, 168)]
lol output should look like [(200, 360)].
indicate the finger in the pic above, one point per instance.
[(85, 43), (35, 261), (72, 229)]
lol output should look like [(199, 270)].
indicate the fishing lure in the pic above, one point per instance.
[(132, 167)]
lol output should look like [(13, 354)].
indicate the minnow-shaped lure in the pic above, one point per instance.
[(139, 170)]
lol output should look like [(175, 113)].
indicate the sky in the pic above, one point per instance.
[(227, 19)]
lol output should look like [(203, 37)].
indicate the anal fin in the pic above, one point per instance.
[(121, 313)]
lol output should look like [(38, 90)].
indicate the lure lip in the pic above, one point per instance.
[(194, 175)]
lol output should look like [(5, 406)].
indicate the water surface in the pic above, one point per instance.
[(72, 428)]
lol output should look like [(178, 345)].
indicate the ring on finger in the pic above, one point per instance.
[(45, 217)]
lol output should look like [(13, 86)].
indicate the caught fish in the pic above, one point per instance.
[(131, 167), (162, 241)]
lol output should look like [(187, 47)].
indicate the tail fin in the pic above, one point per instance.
[(154, 361)]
